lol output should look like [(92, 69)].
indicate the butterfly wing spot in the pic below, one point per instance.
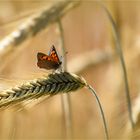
[(49, 59), (40, 56), (54, 55), (44, 57)]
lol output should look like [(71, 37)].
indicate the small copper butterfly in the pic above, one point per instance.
[(50, 61)]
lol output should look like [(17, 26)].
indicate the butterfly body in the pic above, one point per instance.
[(50, 61)]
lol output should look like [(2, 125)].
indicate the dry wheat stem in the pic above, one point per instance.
[(65, 99), (33, 26), (120, 54), (52, 84), (101, 110)]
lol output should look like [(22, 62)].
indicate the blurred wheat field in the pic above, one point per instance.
[(91, 54)]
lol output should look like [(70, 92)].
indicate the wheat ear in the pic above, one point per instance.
[(47, 85), (36, 24)]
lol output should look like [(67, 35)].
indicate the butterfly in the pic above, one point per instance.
[(50, 61)]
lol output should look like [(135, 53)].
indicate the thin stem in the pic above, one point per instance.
[(120, 53), (101, 110), (66, 108), (65, 99), (64, 64)]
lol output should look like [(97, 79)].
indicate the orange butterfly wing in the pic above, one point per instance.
[(53, 54)]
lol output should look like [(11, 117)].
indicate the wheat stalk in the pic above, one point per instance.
[(101, 110), (51, 84), (119, 51), (65, 99)]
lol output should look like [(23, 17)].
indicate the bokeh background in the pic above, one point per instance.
[(91, 54)]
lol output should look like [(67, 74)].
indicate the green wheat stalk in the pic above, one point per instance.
[(52, 84), (120, 54)]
